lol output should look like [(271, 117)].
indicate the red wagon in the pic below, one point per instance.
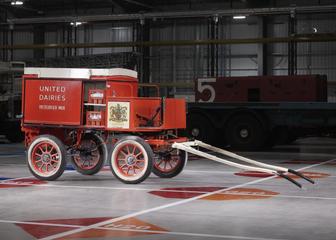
[(76, 113)]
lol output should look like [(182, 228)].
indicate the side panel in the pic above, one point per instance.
[(52, 102), (175, 113), (300, 88)]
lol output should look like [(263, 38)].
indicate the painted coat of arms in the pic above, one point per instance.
[(118, 114)]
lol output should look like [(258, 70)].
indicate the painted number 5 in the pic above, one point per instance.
[(202, 86)]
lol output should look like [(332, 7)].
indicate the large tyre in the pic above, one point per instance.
[(245, 132), (131, 160), (200, 128), (46, 157), (169, 164), (91, 155)]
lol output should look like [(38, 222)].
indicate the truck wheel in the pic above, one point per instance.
[(46, 157), (245, 132), (200, 128), (131, 160), (92, 153), (169, 164)]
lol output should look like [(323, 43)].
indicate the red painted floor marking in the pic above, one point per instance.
[(131, 224), (22, 183), (236, 194), (313, 175), (39, 231)]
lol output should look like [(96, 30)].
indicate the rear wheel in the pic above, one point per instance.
[(91, 155), (245, 132), (200, 128), (131, 160), (169, 164), (46, 157)]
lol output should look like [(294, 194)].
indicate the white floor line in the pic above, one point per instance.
[(19, 178), (204, 235), (204, 171), (13, 179), (11, 156), (145, 211), (175, 191)]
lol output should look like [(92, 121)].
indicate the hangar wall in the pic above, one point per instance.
[(185, 63)]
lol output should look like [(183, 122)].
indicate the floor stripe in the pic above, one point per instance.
[(145, 211), (141, 231), (11, 156), (163, 190)]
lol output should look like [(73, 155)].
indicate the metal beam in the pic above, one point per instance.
[(138, 3), (297, 38), (180, 14)]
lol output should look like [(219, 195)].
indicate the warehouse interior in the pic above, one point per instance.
[(255, 80)]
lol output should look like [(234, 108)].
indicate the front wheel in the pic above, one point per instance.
[(46, 157), (170, 163), (131, 160), (91, 155)]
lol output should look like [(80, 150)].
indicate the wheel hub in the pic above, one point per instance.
[(46, 158), (244, 133), (195, 132), (130, 160)]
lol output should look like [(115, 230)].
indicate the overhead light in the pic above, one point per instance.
[(76, 24), (239, 17), (16, 3)]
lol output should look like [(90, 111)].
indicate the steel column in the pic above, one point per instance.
[(262, 47), (292, 46)]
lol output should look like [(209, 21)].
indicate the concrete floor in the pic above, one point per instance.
[(206, 201)]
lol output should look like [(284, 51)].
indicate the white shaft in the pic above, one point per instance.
[(241, 158), (189, 149)]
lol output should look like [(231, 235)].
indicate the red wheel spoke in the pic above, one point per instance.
[(54, 160), (158, 164), (46, 147), (165, 165), (122, 166), (137, 155), (47, 165), (122, 151), (41, 149), (41, 166), (138, 167), (171, 166), (128, 149), (52, 148)]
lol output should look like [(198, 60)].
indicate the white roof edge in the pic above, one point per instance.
[(78, 73)]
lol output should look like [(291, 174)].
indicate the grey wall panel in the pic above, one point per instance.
[(22, 37)]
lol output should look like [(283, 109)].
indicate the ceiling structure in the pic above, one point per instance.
[(44, 8)]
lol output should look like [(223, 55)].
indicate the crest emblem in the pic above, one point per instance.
[(118, 113)]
